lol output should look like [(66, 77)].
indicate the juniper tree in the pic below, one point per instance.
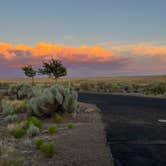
[(53, 68), (29, 72)]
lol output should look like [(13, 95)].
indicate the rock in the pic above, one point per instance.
[(88, 110)]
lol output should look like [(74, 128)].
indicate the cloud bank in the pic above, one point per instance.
[(136, 59)]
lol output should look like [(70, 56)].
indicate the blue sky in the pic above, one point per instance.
[(77, 22), (92, 37)]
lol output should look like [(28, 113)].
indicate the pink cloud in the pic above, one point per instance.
[(136, 59)]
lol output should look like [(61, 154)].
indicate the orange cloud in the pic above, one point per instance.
[(149, 50), (136, 58), (141, 49), (46, 50), (4, 50)]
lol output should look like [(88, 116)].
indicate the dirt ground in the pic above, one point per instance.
[(83, 145)]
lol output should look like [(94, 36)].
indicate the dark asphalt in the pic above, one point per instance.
[(135, 136)]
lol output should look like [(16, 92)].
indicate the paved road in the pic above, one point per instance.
[(134, 134)]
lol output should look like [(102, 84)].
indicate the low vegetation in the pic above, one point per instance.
[(52, 129), (39, 142), (58, 118), (146, 85), (48, 149), (26, 109), (70, 125)]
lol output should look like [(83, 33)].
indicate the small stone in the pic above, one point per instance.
[(90, 110)]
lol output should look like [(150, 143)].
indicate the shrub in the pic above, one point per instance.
[(58, 118), (33, 130), (19, 105), (7, 107), (16, 130), (27, 143), (86, 86), (115, 87), (2, 95), (70, 126), (18, 133), (39, 142), (52, 99), (48, 149), (20, 91), (70, 97), (52, 129), (42, 105), (10, 107), (12, 127), (35, 121), (23, 124), (11, 118), (156, 89), (11, 157)]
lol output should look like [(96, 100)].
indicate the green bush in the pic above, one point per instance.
[(35, 121), (32, 130), (156, 89), (16, 130), (70, 126), (52, 129), (58, 118), (48, 149), (18, 133), (39, 142), (115, 87)]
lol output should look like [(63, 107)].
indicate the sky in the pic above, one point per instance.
[(91, 37)]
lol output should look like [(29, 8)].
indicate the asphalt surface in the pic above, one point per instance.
[(134, 134)]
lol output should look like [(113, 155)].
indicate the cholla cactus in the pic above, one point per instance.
[(20, 91), (51, 99)]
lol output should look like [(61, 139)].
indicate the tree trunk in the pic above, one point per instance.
[(56, 80), (33, 83)]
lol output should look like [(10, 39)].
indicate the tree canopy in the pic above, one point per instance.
[(29, 72), (53, 68)]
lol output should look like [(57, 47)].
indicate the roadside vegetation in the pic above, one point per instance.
[(145, 85), (34, 115)]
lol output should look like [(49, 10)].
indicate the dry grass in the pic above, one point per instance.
[(131, 79), (138, 84)]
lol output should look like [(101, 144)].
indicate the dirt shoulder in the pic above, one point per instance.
[(85, 144), (127, 94)]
